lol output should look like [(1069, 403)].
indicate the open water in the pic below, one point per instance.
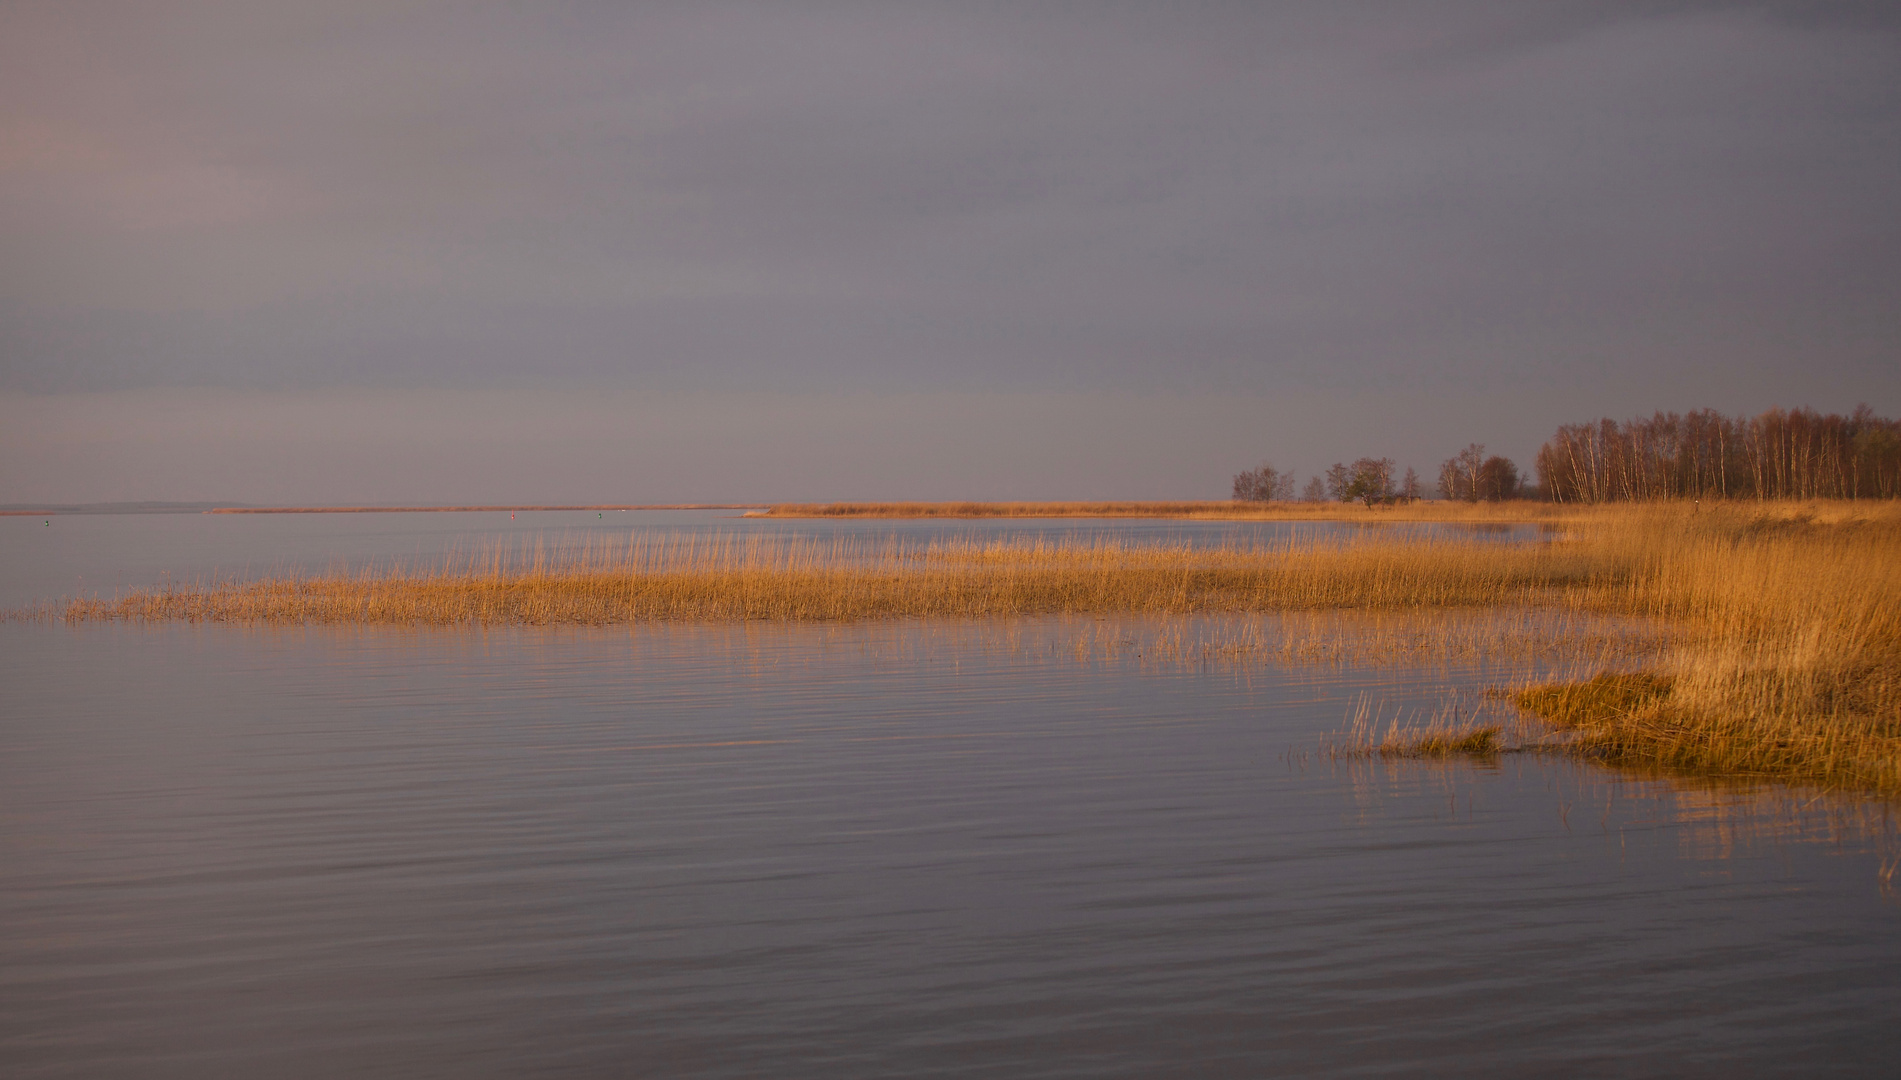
[(1037, 847)]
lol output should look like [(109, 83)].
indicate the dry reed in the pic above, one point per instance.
[(732, 577), (1788, 663), (1452, 731)]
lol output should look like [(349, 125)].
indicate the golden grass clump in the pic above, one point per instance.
[(1456, 729), (1788, 658), (1430, 741)]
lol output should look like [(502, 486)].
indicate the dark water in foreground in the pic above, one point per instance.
[(1021, 848), (865, 851)]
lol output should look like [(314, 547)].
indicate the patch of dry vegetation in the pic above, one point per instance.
[(1789, 658), (743, 578), (1450, 733)]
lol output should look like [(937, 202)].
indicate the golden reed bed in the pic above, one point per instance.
[(1785, 619)]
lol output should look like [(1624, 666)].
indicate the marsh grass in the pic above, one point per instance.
[(744, 578), (1783, 621), (1787, 663), (1454, 730)]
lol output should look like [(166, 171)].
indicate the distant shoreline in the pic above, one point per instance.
[(90, 510), (53, 511), (471, 509), (1510, 512)]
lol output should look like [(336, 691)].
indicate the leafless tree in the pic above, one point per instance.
[(1339, 478), (1409, 487), (1458, 476), (1265, 484)]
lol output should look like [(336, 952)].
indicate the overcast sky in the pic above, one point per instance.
[(457, 252)]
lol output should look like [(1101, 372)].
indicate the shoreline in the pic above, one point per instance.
[(87, 510), (473, 509), (1507, 512)]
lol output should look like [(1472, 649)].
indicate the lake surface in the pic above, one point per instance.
[(1034, 847)]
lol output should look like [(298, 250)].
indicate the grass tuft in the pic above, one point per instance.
[(1572, 705), (1452, 733), (1480, 741)]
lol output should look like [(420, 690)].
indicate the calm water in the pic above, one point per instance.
[(883, 849)]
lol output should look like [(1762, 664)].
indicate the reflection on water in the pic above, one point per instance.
[(1709, 821), (925, 848)]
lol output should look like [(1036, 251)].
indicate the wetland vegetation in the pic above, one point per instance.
[(1783, 620)]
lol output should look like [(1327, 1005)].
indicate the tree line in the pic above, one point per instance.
[(1780, 454), (1468, 475), (1368, 480)]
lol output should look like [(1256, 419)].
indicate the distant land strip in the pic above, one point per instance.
[(469, 509), (1206, 510), (1223, 508)]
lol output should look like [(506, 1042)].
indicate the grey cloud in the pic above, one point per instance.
[(946, 196)]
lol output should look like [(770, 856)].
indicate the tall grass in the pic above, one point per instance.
[(1788, 663)]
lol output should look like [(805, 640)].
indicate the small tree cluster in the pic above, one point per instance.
[(1470, 476), (1368, 480), (1265, 484)]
